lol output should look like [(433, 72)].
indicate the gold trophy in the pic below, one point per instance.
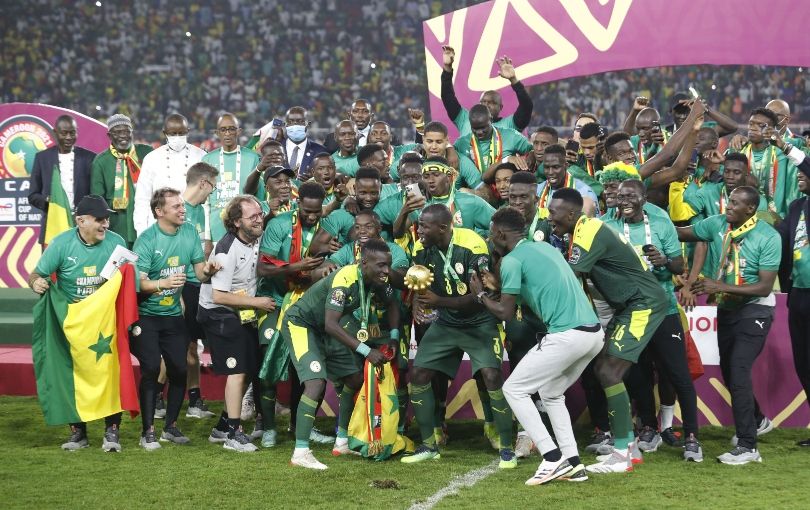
[(418, 279)]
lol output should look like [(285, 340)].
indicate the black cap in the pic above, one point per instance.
[(279, 169), (94, 206), (678, 97)]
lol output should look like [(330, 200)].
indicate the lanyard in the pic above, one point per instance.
[(238, 169), (547, 192), (495, 150), (530, 233), (365, 303), (448, 268), (647, 236), (731, 248)]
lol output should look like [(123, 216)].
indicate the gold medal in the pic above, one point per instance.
[(362, 335), (461, 287), (518, 313)]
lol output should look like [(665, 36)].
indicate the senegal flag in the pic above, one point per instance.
[(60, 217), (81, 352)]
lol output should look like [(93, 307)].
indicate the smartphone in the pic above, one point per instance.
[(278, 123), (656, 126), (413, 190), (572, 145)]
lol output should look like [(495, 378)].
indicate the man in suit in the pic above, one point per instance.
[(361, 113), (74, 166), (300, 148)]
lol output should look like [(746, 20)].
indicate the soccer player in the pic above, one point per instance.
[(653, 236), (77, 256), (487, 145), (320, 348), (558, 177), (454, 255), (611, 263), (573, 338), (747, 264), (165, 251), (345, 156)]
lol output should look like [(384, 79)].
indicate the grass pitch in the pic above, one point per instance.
[(35, 473)]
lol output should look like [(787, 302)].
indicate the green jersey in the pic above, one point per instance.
[(614, 267), (469, 211), (234, 169), (349, 254), (102, 183), (462, 122), (77, 265), (161, 255), (660, 232), (756, 247), (776, 175), (340, 291), (346, 165), (389, 189), (645, 152), (277, 243), (555, 293), (468, 254), (396, 154), (468, 174), (711, 198), (582, 175), (195, 216), (503, 143), (801, 253), (339, 223)]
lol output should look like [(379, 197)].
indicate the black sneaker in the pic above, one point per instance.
[(670, 437), (240, 442), (692, 451), (149, 440), (198, 409), (112, 442), (76, 441), (599, 438), (173, 434)]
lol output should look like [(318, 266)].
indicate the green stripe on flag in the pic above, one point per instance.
[(60, 217), (53, 363)]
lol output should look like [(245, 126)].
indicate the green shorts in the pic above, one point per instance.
[(521, 335), (315, 355), (442, 348), (267, 326), (629, 331)]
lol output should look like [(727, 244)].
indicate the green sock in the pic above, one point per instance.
[(423, 404), (402, 396), (621, 421), (304, 420), (486, 406), (345, 408), (502, 417), (439, 411), (267, 402)]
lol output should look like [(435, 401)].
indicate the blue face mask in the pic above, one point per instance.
[(297, 133)]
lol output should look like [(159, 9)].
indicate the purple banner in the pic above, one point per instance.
[(26, 129), (555, 39)]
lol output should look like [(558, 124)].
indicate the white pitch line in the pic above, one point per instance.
[(460, 482)]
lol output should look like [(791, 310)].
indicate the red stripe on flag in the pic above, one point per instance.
[(126, 313)]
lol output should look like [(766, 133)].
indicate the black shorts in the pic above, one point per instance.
[(234, 346), (191, 298)]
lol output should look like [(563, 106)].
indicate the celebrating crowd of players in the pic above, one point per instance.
[(290, 257)]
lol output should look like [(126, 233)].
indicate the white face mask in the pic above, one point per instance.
[(177, 143)]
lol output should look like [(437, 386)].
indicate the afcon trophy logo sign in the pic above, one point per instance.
[(21, 137)]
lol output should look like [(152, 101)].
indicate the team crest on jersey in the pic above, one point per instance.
[(173, 261), (89, 270), (459, 268), (576, 253), (230, 363), (315, 366), (539, 236), (338, 297), (268, 333)]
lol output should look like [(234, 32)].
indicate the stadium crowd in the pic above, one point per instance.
[(318, 260)]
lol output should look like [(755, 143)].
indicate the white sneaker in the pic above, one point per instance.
[(240, 442), (548, 471), (739, 456), (636, 456), (765, 426), (307, 460), (248, 406), (342, 448), (617, 462), (524, 445)]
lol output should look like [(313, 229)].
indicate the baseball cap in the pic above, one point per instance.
[(678, 97), (278, 169), (94, 206)]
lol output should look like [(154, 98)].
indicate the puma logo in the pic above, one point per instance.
[(158, 252), (416, 402), (761, 324), (502, 411), (678, 336), (75, 260), (309, 416)]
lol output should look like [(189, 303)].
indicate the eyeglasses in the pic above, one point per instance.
[(296, 122), (209, 183), (256, 217), (228, 129)]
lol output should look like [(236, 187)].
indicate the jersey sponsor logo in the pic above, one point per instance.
[(338, 297), (315, 366), (90, 270), (173, 261), (21, 137)]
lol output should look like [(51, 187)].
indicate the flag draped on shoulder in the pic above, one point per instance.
[(81, 352), (60, 217)]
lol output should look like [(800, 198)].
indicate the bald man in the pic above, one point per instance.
[(235, 164), (361, 113), (165, 167)]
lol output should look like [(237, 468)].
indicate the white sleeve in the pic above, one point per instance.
[(796, 156), (143, 195)]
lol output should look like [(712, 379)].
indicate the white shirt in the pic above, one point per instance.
[(161, 168), (290, 146), (66, 174), (362, 136)]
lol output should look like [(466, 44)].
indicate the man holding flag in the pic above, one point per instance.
[(76, 329), (60, 176)]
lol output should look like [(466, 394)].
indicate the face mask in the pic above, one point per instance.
[(177, 143), (297, 133)]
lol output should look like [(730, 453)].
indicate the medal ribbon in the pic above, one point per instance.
[(448, 271), (542, 203), (731, 249), (759, 171), (495, 150), (126, 165)]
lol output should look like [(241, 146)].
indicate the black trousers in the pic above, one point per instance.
[(667, 350), (166, 337), (799, 324), (741, 335), (109, 421)]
